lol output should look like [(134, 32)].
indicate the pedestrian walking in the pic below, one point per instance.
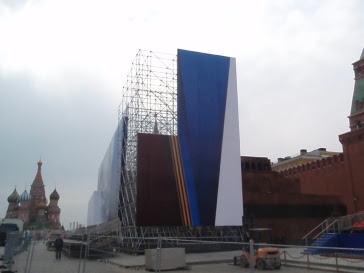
[(58, 244), (26, 239)]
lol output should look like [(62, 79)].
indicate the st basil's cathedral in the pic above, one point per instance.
[(32, 207)]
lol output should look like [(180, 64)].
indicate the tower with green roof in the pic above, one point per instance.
[(357, 106), (353, 144)]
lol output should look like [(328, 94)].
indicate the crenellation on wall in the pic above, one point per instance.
[(324, 163), (312, 166), (272, 198)]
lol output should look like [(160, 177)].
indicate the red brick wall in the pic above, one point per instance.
[(353, 147), (323, 177), (274, 191), (289, 229)]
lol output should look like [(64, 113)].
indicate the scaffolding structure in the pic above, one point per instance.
[(149, 105)]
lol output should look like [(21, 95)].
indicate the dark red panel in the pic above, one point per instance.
[(157, 199)]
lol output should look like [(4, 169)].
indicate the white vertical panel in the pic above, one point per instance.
[(229, 209)]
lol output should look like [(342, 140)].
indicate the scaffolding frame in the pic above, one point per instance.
[(149, 105)]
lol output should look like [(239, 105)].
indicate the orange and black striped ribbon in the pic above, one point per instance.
[(180, 182)]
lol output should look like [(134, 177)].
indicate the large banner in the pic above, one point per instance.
[(95, 207), (194, 179), (103, 205), (208, 131)]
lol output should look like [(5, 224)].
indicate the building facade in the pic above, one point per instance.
[(302, 158), (340, 175), (275, 200), (297, 193), (32, 207)]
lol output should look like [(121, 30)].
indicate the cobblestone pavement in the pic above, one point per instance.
[(43, 261)]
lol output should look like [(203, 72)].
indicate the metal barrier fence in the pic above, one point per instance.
[(15, 243), (333, 225), (330, 259)]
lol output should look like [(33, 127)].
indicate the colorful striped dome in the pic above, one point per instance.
[(25, 196)]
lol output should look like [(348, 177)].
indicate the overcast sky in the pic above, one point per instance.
[(63, 63)]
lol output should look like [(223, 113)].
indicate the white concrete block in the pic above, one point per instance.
[(168, 258)]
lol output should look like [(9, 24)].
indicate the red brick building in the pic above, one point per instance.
[(276, 200), (294, 201), (32, 207)]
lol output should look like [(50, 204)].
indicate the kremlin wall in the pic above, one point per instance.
[(32, 207), (323, 177), (277, 200), (341, 175), (293, 200)]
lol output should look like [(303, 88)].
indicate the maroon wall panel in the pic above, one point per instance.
[(157, 199)]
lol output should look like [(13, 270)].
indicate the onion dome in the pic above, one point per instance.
[(14, 197), (54, 195), (25, 196)]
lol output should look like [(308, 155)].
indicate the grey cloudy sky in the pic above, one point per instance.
[(63, 63)]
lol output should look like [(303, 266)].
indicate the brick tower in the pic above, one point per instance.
[(53, 210), (37, 194), (353, 143), (24, 209)]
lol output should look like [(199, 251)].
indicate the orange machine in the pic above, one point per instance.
[(264, 257)]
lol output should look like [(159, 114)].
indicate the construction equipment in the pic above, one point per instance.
[(264, 257)]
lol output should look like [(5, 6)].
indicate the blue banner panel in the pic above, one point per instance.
[(202, 91), (103, 205)]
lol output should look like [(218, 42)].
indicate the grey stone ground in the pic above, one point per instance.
[(43, 261)]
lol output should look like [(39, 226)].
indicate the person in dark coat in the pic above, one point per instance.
[(58, 244)]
